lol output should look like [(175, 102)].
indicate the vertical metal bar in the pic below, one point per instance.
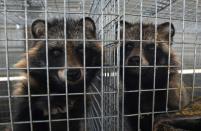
[(155, 51), (102, 73), (84, 64), (118, 65), (195, 48), (66, 64), (114, 78), (7, 64), (140, 66), (123, 64), (168, 75), (182, 54), (28, 71), (47, 66)]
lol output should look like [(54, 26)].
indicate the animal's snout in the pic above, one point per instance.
[(73, 74), (134, 60)]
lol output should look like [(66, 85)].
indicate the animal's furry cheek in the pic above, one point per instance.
[(145, 62), (18, 91), (165, 48)]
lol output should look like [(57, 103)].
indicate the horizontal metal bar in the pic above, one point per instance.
[(190, 71), (149, 113), (112, 74), (61, 94), (57, 120), (60, 12)]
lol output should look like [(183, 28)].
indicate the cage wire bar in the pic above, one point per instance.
[(28, 71), (105, 112), (66, 84), (105, 104)]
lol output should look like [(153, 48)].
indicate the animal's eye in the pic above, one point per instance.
[(150, 47), (57, 52)]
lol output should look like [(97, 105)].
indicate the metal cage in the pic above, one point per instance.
[(104, 113)]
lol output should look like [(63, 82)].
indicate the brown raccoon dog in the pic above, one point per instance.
[(132, 52), (54, 82)]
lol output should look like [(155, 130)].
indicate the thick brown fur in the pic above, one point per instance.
[(38, 82), (154, 49)]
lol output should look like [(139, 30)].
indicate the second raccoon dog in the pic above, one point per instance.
[(57, 57), (134, 50)]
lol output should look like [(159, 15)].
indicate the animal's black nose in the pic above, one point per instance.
[(134, 60), (73, 74)]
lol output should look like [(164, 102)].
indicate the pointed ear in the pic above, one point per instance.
[(165, 29), (89, 24), (127, 25), (38, 28)]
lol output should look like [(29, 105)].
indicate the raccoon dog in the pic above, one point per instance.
[(154, 49), (47, 76)]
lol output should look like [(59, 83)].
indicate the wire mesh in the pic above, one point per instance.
[(105, 112)]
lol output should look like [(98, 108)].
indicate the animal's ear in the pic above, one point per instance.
[(38, 28), (89, 24), (165, 29), (127, 25), (121, 26)]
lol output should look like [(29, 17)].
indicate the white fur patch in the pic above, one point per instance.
[(55, 111), (62, 74)]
